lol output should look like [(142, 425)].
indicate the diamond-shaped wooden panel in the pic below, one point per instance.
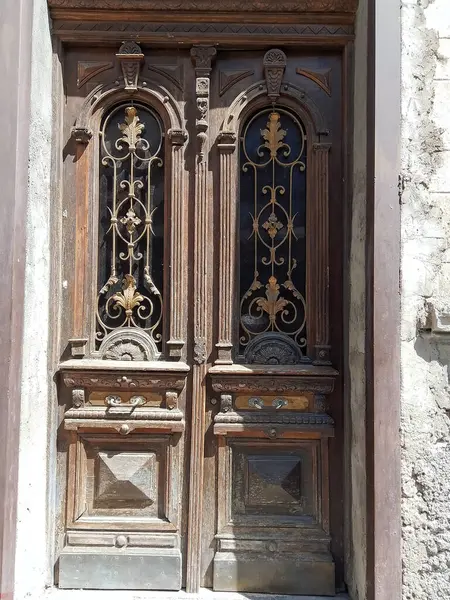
[(126, 478)]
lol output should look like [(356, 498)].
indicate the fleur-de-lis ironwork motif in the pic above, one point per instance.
[(272, 304), (129, 298), (132, 129), (274, 135)]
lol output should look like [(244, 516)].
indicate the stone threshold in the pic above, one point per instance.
[(205, 594)]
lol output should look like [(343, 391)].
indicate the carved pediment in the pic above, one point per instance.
[(268, 6)]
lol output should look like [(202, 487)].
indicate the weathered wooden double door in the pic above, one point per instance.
[(200, 405)]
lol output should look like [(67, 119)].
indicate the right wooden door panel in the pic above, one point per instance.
[(274, 408)]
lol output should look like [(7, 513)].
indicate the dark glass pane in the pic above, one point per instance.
[(131, 222), (273, 230)]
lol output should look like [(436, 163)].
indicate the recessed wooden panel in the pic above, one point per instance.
[(126, 479), (273, 482), (122, 481)]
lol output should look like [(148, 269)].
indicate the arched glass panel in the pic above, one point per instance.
[(273, 237), (131, 222)]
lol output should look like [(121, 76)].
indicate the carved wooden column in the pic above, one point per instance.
[(82, 137), (178, 316), (202, 57), (227, 148), (319, 246)]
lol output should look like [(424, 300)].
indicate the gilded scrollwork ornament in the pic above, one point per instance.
[(131, 158), (273, 307)]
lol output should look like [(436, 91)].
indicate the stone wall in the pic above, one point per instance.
[(426, 298)]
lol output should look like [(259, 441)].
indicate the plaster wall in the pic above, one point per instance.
[(425, 274), (34, 521)]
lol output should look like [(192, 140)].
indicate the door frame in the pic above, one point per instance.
[(382, 250)]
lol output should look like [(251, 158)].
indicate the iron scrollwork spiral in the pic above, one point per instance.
[(273, 229), (131, 223)]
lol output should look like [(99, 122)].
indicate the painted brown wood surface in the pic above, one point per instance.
[(196, 413)]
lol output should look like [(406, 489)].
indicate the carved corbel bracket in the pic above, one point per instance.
[(131, 58), (78, 397), (82, 135), (171, 399), (274, 62), (78, 347)]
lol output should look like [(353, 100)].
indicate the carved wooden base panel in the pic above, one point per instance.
[(124, 459), (273, 497), (273, 520)]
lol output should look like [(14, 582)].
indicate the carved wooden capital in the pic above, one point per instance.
[(202, 57), (131, 58), (322, 147), (226, 141), (177, 137)]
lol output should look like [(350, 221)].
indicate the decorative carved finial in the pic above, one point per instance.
[(131, 58), (202, 57), (274, 67)]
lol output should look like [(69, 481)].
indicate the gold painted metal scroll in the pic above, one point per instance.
[(130, 196), (273, 195)]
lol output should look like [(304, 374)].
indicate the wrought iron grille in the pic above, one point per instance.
[(131, 222), (273, 230)]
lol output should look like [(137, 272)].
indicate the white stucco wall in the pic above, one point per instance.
[(34, 525), (426, 298)]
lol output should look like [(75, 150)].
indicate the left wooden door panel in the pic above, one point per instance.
[(123, 328)]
